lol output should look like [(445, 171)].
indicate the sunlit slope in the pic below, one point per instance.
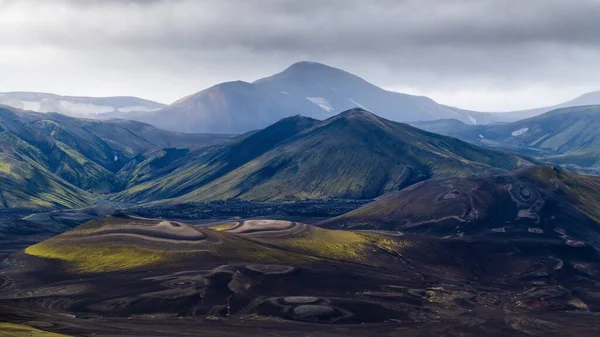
[(87, 153), (178, 172), (26, 184), (19, 330)]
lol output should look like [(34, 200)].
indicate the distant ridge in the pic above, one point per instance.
[(307, 88), (77, 106), (567, 136)]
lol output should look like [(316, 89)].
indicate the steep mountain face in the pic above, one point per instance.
[(26, 184), (311, 89), (569, 136), (85, 153), (542, 202), (91, 107), (354, 155), (591, 98)]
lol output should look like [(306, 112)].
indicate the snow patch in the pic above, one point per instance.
[(31, 105), (285, 92), (519, 132), (321, 102), (472, 119), (137, 108), (358, 104)]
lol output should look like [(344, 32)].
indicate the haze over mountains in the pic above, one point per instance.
[(314, 90), (90, 107), (308, 88), (591, 98), (305, 88)]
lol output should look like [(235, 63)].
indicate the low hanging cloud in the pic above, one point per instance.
[(484, 54)]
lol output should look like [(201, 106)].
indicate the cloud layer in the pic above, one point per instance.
[(479, 54)]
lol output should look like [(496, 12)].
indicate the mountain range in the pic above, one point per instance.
[(314, 90), (90, 107), (306, 88), (568, 136), (353, 155)]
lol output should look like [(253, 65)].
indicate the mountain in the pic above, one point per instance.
[(200, 166), (26, 184), (354, 155), (307, 88), (591, 98), (569, 136), (91, 107), (57, 152), (527, 203)]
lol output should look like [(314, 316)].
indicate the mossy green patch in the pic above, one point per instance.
[(392, 245), (99, 258), (6, 168), (18, 330), (340, 245), (76, 156), (222, 227)]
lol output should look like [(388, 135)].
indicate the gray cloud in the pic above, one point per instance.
[(445, 48)]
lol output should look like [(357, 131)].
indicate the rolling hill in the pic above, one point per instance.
[(137, 276), (530, 202), (91, 107), (307, 88), (354, 155)]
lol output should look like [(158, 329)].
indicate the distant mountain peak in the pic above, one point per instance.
[(311, 70), (304, 65)]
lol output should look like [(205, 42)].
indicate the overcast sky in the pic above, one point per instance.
[(489, 55)]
